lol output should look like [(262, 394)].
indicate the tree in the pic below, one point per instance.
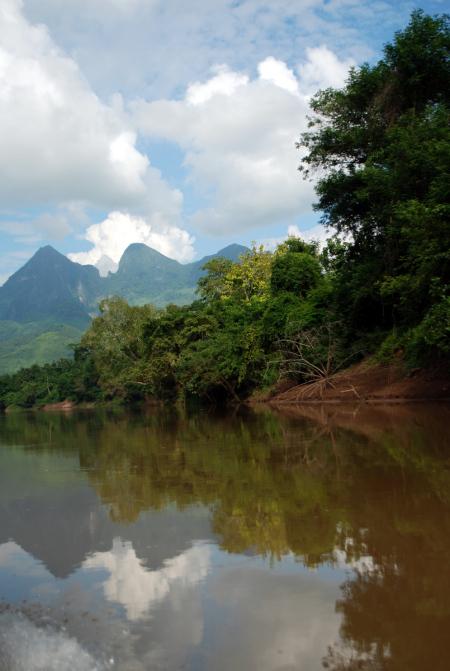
[(245, 280), (212, 285), (295, 272), (115, 340), (382, 146)]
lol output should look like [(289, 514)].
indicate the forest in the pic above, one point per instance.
[(379, 152)]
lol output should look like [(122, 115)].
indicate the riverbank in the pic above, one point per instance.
[(68, 406), (369, 382), (365, 382)]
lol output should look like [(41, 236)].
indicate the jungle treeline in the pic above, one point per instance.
[(379, 152)]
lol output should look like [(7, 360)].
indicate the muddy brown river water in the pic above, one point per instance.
[(257, 540)]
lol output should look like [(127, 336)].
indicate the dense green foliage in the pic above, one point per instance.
[(221, 347), (381, 146)]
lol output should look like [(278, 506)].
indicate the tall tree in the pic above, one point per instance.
[(381, 146)]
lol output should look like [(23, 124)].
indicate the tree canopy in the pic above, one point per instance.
[(381, 146)]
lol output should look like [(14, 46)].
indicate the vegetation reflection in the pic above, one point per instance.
[(369, 492)]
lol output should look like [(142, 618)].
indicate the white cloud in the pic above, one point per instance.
[(323, 69), (51, 225), (106, 265), (224, 82), (156, 47), (137, 588), (64, 148), (59, 142), (239, 135), (112, 236), (316, 233), (279, 74)]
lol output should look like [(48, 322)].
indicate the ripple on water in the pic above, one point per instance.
[(24, 646)]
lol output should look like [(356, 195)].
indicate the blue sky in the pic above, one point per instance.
[(167, 122)]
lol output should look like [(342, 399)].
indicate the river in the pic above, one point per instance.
[(262, 540)]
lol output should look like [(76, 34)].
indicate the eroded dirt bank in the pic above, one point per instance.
[(368, 381)]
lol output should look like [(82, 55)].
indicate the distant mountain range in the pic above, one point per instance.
[(49, 302)]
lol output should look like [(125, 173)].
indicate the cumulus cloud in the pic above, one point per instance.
[(224, 82), (112, 236), (279, 74), (64, 147), (239, 135), (323, 69), (59, 141)]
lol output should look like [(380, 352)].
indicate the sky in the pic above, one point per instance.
[(167, 122)]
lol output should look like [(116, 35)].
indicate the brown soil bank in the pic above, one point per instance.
[(65, 406), (368, 381)]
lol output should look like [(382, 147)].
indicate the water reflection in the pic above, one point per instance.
[(138, 589), (263, 540), (274, 621)]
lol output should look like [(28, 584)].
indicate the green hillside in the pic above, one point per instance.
[(35, 342), (146, 276)]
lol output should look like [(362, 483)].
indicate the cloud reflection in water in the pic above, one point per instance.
[(137, 588)]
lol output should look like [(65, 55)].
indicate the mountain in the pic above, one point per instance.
[(147, 276), (49, 302), (50, 287), (232, 252), (45, 306)]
